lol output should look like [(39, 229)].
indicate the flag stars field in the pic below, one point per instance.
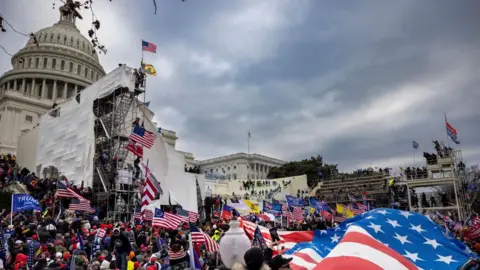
[(375, 227), (335, 238), (445, 259), (417, 228), (412, 256), (394, 223), (432, 242), (402, 239), (406, 214)]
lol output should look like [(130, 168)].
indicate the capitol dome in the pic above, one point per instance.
[(61, 65), (50, 71)]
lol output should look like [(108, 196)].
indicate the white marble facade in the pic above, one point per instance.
[(240, 166), (62, 64)]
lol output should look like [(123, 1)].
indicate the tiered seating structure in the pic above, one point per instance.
[(441, 172), (336, 190)]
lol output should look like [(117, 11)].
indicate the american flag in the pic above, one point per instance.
[(408, 241), (297, 213), (166, 220), (138, 213), (355, 211), (188, 216), (362, 207), (149, 47), (4, 252), (149, 191), (135, 149), (81, 205), (63, 191), (143, 137), (288, 239), (196, 235)]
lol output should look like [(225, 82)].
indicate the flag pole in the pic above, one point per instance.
[(446, 130), (248, 142), (414, 156), (192, 255), (11, 212)]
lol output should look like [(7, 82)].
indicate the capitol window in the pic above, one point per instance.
[(54, 63), (62, 65), (45, 60), (51, 38), (234, 167), (78, 69), (29, 62), (58, 38), (86, 73), (37, 62), (91, 75), (29, 118), (70, 67)]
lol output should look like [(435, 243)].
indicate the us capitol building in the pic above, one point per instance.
[(58, 64)]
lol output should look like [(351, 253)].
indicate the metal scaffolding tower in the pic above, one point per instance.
[(112, 129), (442, 171)]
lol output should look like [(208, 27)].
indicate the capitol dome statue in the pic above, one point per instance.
[(55, 65)]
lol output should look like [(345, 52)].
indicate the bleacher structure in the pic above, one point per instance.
[(372, 183), (115, 114), (443, 171)]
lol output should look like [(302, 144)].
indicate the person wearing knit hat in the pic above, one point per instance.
[(152, 264), (253, 261)]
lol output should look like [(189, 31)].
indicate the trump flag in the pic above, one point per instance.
[(23, 202)]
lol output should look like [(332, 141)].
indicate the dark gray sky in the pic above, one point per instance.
[(355, 81)]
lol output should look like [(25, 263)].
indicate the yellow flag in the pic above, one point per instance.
[(253, 207), (150, 69), (340, 208), (344, 211), (348, 213)]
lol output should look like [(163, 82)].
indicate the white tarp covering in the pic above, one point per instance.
[(178, 185), (68, 141), (27, 150), (158, 161)]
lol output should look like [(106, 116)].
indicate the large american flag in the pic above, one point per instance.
[(166, 220), (413, 241), (143, 137)]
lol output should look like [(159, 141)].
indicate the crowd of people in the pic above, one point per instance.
[(65, 239)]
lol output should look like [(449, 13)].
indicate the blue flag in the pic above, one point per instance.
[(23, 202), (399, 237), (294, 201), (258, 239)]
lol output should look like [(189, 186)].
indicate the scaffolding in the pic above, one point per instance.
[(442, 171), (112, 129)]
